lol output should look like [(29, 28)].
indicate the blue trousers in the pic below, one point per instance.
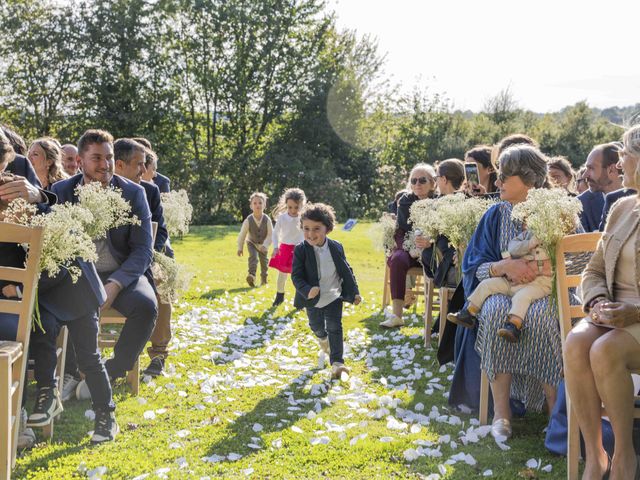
[(327, 321), (138, 303)]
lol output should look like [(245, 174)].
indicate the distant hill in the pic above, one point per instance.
[(621, 115)]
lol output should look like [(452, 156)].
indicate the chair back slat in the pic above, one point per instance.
[(11, 274), (579, 243), (11, 306)]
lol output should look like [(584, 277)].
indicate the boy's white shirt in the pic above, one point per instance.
[(244, 231), (330, 282)]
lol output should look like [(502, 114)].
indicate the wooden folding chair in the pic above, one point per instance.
[(13, 355), (586, 242), (111, 316)]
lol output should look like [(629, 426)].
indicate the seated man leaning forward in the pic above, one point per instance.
[(124, 256)]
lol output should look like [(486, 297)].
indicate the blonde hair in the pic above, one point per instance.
[(295, 194), (263, 196), (431, 173), (631, 142), (52, 152)]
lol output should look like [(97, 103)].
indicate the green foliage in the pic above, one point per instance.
[(238, 96)]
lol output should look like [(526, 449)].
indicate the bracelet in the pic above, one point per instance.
[(492, 273), (593, 302)]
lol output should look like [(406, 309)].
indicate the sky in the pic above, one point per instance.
[(549, 53)]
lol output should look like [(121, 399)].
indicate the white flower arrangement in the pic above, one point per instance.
[(382, 233), (549, 214), (423, 215), (170, 277), (64, 237), (409, 244), (107, 207), (458, 216), (177, 212)]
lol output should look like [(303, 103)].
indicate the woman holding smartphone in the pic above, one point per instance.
[(484, 182)]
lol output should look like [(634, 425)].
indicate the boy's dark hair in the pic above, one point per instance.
[(319, 212), (124, 148), (92, 136)]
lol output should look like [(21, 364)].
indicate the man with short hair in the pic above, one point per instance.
[(602, 176), (124, 256), (151, 164), (70, 162), (130, 159)]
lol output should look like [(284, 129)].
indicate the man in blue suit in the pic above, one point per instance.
[(80, 316), (602, 176), (124, 256), (130, 159), (610, 199), (151, 168)]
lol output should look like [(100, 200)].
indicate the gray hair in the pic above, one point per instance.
[(431, 173), (526, 162)]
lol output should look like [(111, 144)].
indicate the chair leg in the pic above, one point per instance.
[(386, 290), (6, 434), (484, 398), (133, 377), (47, 430), (573, 442), (428, 311), (444, 310)]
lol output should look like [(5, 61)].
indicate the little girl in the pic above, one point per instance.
[(287, 233)]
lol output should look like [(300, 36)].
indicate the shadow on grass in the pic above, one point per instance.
[(242, 429), (253, 335), (217, 292)]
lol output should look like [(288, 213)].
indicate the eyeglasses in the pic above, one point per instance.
[(420, 180)]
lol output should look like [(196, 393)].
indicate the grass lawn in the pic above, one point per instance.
[(244, 398)]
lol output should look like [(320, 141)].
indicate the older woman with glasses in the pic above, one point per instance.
[(421, 185), (530, 370), (603, 349)]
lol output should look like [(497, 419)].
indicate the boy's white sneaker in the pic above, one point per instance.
[(339, 371)]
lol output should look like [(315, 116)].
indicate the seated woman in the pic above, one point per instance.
[(481, 156), (421, 184), (46, 157), (561, 174), (519, 370), (448, 181), (603, 348)]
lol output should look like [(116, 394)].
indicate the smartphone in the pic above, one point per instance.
[(471, 173)]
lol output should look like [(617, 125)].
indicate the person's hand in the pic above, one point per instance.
[(422, 242), (20, 188), (10, 291), (478, 189), (357, 300), (112, 289), (313, 293), (546, 268), (239, 253), (616, 314), (263, 249), (517, 271), (596, 311)]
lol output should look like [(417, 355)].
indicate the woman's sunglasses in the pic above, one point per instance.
[(420, 180)]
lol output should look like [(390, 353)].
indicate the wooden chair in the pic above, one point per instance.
[(586, 242), (424, 288), (111, 316), (61, 354), (13, 355), (444, 297)]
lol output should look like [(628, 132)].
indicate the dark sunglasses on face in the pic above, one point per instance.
[(420, 180), (502, 177)]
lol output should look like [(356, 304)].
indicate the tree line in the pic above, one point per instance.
[(238, 96)]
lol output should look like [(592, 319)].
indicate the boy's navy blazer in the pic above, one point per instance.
[(131, 245), (157, 215), (163, 183), (304, 273)]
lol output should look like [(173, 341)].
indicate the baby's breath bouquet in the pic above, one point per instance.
[(549, 214), (170, 277), (457, 218), (382, 234), (177, 212), (107, 208), (409, 244), (423, 215)]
